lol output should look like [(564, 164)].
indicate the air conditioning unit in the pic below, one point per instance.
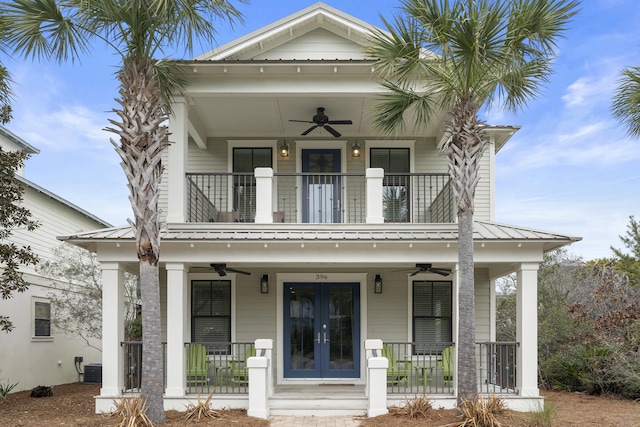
[(93, 373)]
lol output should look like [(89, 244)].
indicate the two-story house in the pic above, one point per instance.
[(308, 263), (37, 352)]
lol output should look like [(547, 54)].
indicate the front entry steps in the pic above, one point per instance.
[(318, 400)]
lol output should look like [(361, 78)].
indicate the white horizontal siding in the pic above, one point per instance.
[(316, 44), (55, 219), (482, 298)]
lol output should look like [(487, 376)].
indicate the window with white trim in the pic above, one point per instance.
[(211, 311), (396, 183), (432, 311), (41, 318), (245, 161)]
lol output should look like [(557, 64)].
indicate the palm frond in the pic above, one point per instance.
[(626, 100), (45, 29)]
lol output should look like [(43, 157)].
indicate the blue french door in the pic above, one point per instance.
[(322, 186), (321, 330)]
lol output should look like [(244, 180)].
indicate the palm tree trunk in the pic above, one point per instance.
[(467, 382), (142, 139), (464, 151)]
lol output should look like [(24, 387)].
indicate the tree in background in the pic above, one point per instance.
[(506, 309), (626, 100), (630, 262), (76, 277), (461, 56), (138, 31), (13, 216)]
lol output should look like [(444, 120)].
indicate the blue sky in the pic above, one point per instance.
[(570, 169)]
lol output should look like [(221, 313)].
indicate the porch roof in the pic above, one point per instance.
[(484, 231)]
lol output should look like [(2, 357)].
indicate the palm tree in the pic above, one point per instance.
[(5, 78), (462, 56), (137, 30), (626, 102)]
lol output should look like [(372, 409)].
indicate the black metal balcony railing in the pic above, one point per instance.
[(320, 198), (428, 367)]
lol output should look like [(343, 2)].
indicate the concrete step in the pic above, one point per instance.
[(318, 401)]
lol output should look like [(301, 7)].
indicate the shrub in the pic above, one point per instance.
[(418, 407), (5, 389), (201, 409), (544, 417), (481, 412), (132, 413)]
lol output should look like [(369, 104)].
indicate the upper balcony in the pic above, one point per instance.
[(345, 198)]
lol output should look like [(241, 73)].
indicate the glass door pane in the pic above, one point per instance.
[(322, 189), (301, 341), (341, 327)]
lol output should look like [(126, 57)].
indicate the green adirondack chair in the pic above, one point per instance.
[(197, 365), (445, 365), (238, 368), (399, 370)]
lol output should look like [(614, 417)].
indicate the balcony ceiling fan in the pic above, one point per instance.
[(222, 269), (320, 120), (427, 268)]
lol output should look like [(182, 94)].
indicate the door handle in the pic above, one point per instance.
[(318, 340), (325, 338)]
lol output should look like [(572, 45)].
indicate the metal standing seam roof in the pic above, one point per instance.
[(483, 230)]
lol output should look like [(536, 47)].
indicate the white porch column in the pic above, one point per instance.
[(264, 195), (176, 329), (258, 393), (264, 348), (177, 159), (374, 195), (527, 329), (372, 348), (377, 386), (112, 328)]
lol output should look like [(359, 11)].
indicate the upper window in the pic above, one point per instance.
[(245, 160), (211, 311), (432, 309), (42, 319), (395, 186)]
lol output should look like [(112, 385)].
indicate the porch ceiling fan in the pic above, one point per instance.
[(320, 120), (428, 268), (222, 269)]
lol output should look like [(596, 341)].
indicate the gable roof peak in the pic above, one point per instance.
[(318, 15)]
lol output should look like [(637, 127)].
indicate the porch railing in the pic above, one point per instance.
[(423, 367), (132, 352), (225, 367), (320, 198), (497, 367), (417, 368)]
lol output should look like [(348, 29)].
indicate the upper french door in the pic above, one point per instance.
[(321, 186)]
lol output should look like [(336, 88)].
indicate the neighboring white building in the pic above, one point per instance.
[(349, 238), (35, 352)]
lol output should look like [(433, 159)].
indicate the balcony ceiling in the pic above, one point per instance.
[(269, 116), (258, 101)]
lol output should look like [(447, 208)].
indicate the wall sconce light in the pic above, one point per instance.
[(355, 149), (284, 149), (377, 284), (264, 284)]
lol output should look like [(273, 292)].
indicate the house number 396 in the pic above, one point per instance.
[(322, 276)]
